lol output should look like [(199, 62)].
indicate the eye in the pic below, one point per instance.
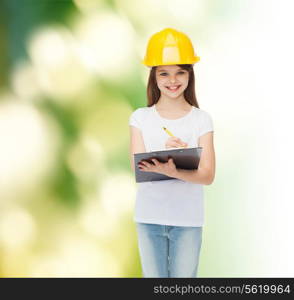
[(180, 72)]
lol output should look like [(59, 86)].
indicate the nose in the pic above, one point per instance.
[(172, 78)]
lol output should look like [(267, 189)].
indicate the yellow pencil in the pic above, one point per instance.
[(167, 131)]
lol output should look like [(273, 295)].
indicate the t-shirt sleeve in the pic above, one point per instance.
[(206, 123), (135, 119)]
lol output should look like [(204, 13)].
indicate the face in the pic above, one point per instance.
[(171, 80)]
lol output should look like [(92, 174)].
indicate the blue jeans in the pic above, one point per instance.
[(169, 251)]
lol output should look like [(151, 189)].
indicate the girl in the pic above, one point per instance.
[(169, 213)]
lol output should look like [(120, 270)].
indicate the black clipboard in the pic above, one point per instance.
[(184, 158)]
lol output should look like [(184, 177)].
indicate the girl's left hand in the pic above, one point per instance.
[(168, 168)]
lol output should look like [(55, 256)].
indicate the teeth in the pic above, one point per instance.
[(173, 87)]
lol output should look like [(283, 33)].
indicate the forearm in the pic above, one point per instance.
[(132, 163), (199, 176)]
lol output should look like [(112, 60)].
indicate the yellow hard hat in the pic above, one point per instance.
[(169, 47)]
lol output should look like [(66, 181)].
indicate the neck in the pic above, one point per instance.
[(166, 103)]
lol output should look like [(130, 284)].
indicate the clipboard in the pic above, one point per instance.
[(184, 158)]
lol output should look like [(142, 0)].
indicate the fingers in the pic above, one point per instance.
[(175, 142), (144, 163), (141, 166), (157, 167), (145, 166), (170, 160), (181, 143)]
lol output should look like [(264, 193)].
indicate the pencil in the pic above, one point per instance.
[(167, 131)]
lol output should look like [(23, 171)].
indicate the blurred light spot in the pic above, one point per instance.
[(144, 74), (149, 15), (44, 266), (109, 124), (28, 147), (55, 58), (86, 257), (88, 5), (95, 221), (49, 47), (118, 195), (77, 257), (190, 11), (86, 158), (17, 228), (106, 44), (25, 82)]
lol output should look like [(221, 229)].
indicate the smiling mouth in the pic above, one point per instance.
[(173, 88)]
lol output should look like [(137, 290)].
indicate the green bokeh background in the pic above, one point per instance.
[(70, 78)]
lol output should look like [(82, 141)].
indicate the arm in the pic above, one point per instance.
[(206, 169), (136, 144)]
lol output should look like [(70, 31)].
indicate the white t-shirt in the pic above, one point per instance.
[(170, 202)]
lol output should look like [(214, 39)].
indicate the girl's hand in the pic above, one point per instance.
[(168, 168), (174, 142)]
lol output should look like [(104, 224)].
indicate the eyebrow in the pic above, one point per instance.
[(161, 70)]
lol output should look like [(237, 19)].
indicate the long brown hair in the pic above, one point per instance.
[(153, 92)]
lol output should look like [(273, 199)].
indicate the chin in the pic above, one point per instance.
[(177, 95)]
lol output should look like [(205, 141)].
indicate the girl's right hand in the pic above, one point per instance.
[(174, 142)]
